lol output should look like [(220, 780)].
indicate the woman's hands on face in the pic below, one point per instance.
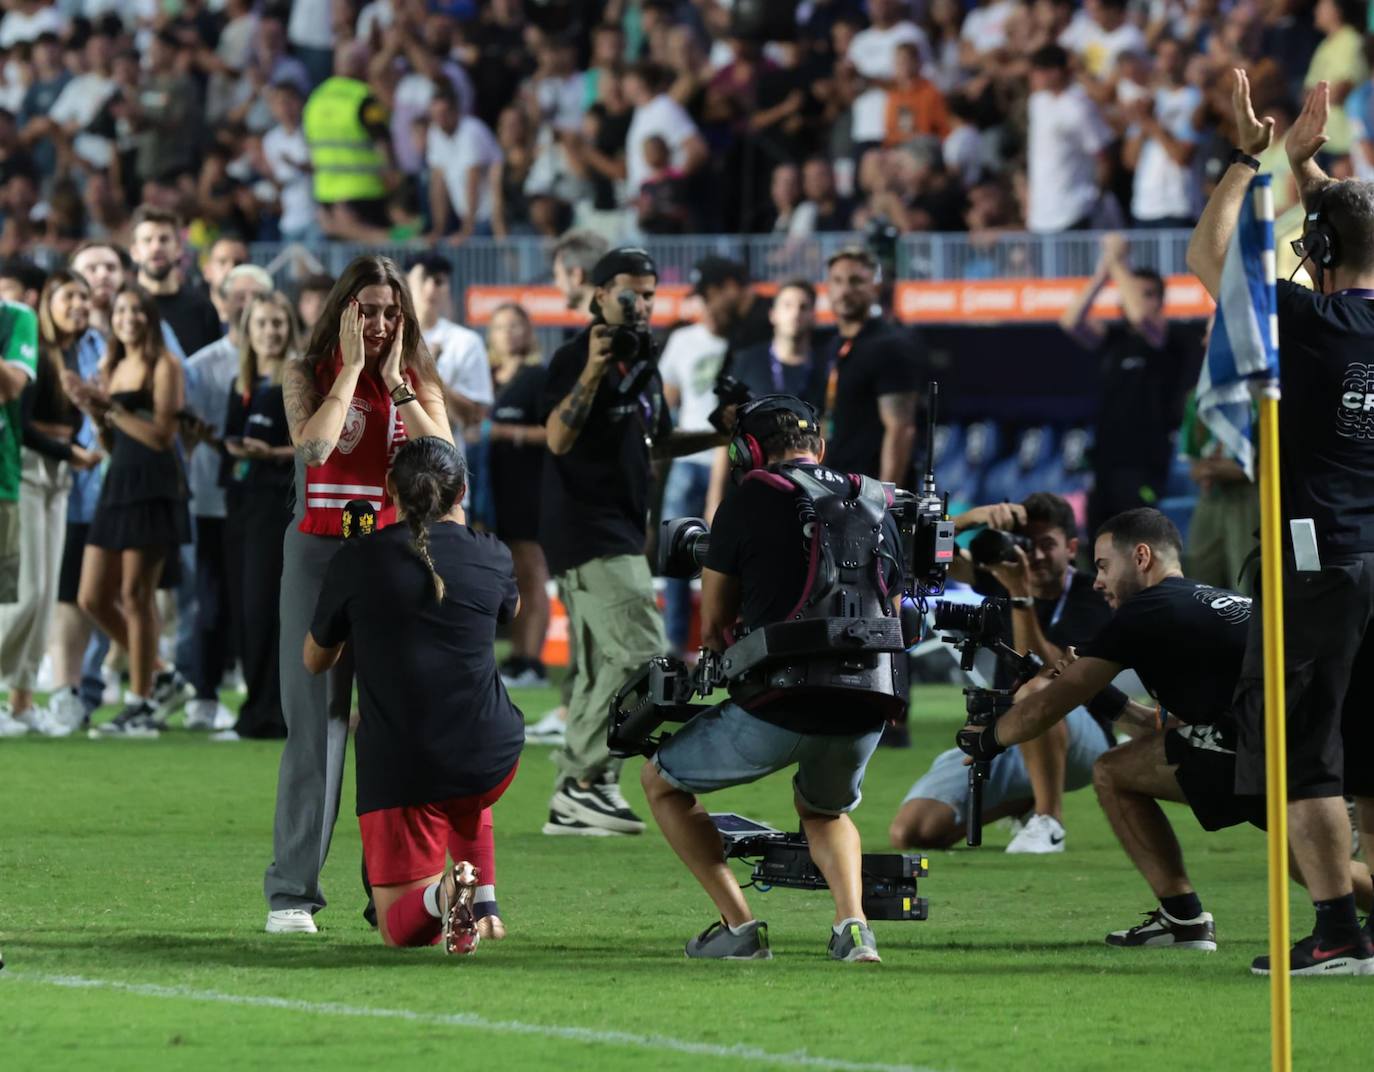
[(351, 335)]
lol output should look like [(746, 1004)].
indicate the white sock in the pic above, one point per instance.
[(484, 893), (743, 928), (432, 901), (839, 927)]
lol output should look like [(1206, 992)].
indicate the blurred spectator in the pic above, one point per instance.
[(223, 257), (789, 363), (460, 154), (26, 20), (607, 55), (162, 112), (739, 315), (574, 257), (157, 252), (515, 138), (823, 202), (1339, 59), (350, 149), (1221, 533), (915, 107), (785, 191), (655, 113), (1100, 33), (311, 34), (1067, 142), (598, 155), (962, 149), (310, 300), (873, 52), (1161, 144), (663, 205), (944, 29), (286, 164), (72, 116), (50, 77), (460, 355)]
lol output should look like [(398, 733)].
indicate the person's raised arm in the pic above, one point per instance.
[(1130, 289), (1076, 322), (1305, 138), (438, 204), (316, 421), (898, 414), (1212, 235), (566, 421), (426, 414)]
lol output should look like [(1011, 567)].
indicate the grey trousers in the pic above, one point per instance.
[(316, 710)]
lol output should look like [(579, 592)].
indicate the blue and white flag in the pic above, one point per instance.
[(1245, 336)]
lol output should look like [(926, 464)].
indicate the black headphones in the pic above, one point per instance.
[(1318, 243), (746, 448)]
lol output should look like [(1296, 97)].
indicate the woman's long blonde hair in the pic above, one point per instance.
[(249, 362)]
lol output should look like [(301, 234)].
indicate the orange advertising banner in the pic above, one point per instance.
[(983, 301)]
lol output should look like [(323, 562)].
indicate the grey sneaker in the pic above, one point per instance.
[(718, 942), (854, 944)]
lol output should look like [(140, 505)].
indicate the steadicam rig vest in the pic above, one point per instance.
[(843, 635)]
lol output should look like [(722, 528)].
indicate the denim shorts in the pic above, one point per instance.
[(947, 779), (726, 746)]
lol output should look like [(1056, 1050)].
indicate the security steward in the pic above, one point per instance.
[(1326, 443), (761, 568), (347, 133), (606, 420), (1186, 642)]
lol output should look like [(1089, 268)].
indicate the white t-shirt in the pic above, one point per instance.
[(963, 153), (311, 24), (985, 28), (286, 153), (1099, 49), (666, 118), (379, 14), (471, 145), (561, 101), (874, 55), (1163, 187), (17, 27), (1066, 134), (691, 360), (80, 102), (409, 102), (460, 356)]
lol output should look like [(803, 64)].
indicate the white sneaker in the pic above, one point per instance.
[(224, 718), (44, 722), (200, 714), (290, 921), (114, 687), (1041, 834), (225, 736), (548, 730), (11, 726), (66, 711)]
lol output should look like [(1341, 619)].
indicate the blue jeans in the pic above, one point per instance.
[(684, 495), (92, 684)]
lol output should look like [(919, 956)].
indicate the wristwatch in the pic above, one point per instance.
[(1023, 602), (1239, 156)]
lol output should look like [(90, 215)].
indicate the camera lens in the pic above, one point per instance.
[(958, 617), (682, 547)]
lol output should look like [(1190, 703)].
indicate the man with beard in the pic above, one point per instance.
[(871, 396), (157, 252), (104, 268)]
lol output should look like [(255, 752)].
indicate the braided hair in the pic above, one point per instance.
[(429, 476)]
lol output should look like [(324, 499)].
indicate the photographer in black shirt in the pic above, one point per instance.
[(439, 738), (1186, 642), (606, 418), (757, 570), (1326, 444)]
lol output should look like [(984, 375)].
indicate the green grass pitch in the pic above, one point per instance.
[(131, 922)]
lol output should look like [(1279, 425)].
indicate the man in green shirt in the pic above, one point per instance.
[(18, 365)]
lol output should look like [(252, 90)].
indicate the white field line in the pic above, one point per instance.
[(470, 1021)]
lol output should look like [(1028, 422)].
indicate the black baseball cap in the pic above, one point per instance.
[(432, 264), (626, 260), (712, 271)]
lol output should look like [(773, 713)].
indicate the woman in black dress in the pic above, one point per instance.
[(258, 475), (141, 518), (516, 463)]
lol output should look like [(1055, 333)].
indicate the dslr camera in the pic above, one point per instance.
[(630, 337), (994, 545)]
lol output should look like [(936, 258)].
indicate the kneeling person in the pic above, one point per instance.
[(439, 738), (758, 568)]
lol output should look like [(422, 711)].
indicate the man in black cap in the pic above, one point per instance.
[(740, 316), (606, 420)]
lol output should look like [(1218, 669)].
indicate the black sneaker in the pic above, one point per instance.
[(557, 826), (137, 720), (599, 805), (170, 691), (1161, 929), (719, 942), (1310, 957)]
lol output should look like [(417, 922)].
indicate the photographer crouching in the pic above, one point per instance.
[(761, 568)]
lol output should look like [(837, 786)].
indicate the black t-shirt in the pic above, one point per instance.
[(1326, 417), (262, 417), (1186, 641), (763, 374), (1070, 620), (436, 720), (192, 317), (595, 500), (880, 360), (518, 469), (1143, 389), (759, 535)]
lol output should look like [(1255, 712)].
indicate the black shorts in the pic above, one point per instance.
[(1329, 678), (73, 548), (1206, 761)]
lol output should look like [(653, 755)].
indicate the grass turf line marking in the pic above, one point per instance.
[(663, 1043)]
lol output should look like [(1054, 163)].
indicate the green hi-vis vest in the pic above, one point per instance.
[(346, 165)]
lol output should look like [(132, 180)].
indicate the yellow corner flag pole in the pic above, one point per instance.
[(1275, 746)]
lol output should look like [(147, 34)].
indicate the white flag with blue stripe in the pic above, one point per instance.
[(1245, 336)]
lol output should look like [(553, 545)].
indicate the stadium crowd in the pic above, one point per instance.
[(397, 120)]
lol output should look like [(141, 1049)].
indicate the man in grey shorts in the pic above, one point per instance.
[(757, 570)]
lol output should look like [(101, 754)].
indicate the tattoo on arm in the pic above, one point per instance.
[(576, 407), (315, 451), (299, 397)]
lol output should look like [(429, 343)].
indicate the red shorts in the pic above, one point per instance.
[(405, 844)]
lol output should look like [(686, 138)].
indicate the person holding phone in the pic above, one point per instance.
[(364, 385)]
